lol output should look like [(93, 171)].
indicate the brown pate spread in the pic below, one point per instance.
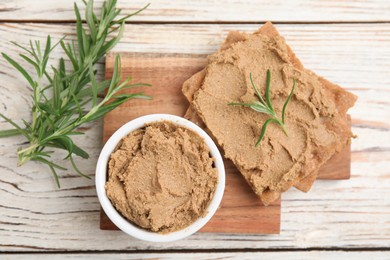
[(315, 117), (162, 177)]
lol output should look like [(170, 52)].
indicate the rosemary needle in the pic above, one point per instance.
[(265, 106), (62, 96)]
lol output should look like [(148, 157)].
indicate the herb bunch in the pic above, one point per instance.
[(70, 96), (266, 107)]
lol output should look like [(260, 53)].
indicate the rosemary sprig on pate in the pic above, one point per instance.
[(65, 98), (266, 106)]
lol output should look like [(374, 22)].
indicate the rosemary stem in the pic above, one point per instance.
[(9, 132), (266, 106), (24, 155), (37, 96), (56, 117)]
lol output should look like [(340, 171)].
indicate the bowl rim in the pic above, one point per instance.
[(125, 225)]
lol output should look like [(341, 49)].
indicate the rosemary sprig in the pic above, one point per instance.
[(65, 98), (266, 106)]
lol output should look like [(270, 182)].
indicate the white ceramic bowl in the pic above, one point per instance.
[(118, 219)]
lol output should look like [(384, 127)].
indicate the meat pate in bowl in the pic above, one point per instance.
[(160, 178)]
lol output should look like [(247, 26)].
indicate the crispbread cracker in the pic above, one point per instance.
[(195, 82), (304, 179)]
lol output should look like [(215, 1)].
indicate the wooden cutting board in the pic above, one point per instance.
[(240, 210)]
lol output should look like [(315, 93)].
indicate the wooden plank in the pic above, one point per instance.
[(303, 255), (352, 214), (240, 210), (206, 11)]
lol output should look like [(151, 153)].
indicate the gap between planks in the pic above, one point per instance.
[(247, 250), (276, 22), (205, 10)]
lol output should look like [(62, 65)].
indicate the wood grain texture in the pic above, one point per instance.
[(210, 11), (308, 255), (35, 215)]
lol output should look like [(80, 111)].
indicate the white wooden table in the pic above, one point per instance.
[(346, 41)]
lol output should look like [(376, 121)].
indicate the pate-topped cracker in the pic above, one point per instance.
[(315, 118)]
